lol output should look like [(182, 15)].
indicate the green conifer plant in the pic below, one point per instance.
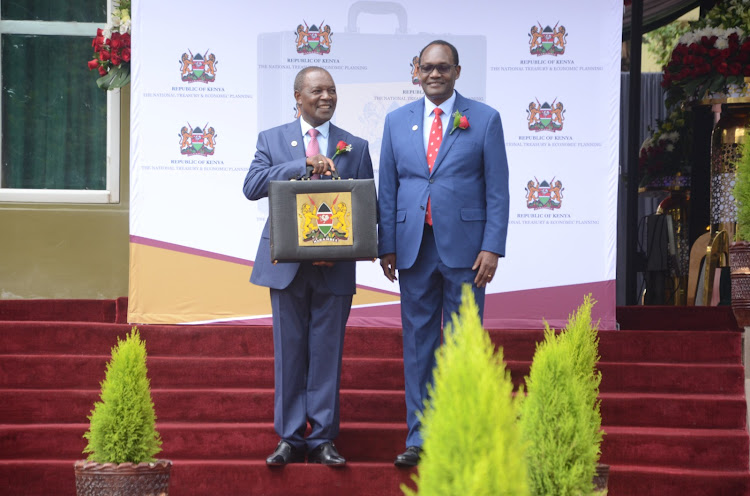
[(123, 423), (560, 419), (742, 193), (472, 443)]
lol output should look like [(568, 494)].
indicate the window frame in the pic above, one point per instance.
[(111, 193)]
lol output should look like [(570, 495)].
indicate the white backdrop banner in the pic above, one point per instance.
[(206, 80)]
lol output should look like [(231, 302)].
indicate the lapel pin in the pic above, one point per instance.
[(414, 127), (294, 143)]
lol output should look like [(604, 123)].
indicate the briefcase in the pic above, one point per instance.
[(323, 220)]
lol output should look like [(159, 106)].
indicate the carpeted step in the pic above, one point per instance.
[(230, 477), (243, 477), (714, 411), (714, 449), (626, 480), (20, 338), (86, 372), (681, 318), (700, 449), (361, 442), (85, 310)]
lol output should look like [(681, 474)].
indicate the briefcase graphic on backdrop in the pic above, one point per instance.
[(323, 220), (389, 75)]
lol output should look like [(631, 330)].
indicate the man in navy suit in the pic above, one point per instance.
[(310, 301), (443, 205)]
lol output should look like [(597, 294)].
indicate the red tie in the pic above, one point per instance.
[(433, 146), (313, 148)]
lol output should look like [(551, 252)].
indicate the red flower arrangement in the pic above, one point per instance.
[(714, 57), (112, 49)]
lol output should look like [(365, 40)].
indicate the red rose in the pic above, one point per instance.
[(735, 69), (125, 38), (464, 122), (93, 64), (102, 71), (116, 60), (723, 69), (746, 71), (104, 55), (126, 54), (99, 32), (116, 35)]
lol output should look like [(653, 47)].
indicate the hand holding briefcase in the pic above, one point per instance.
[(323, 220)]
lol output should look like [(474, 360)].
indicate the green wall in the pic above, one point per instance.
[(68, 250)]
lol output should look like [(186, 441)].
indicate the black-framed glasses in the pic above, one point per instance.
[(441, 68)]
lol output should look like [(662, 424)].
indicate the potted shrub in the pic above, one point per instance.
[(122, 437), (472, 444), (739, 250), (560, 417)]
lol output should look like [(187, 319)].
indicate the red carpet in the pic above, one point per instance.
[(673, 402)]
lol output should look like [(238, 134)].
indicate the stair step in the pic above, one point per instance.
[(87, 371), (85, 338), (256, 405), (208, 478), (643, 480), (715, 449)]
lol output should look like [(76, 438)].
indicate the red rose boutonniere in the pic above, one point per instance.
[(342, 147), (459, 122)]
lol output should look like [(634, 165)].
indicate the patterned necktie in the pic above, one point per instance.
[(313, 148), (433, 146)]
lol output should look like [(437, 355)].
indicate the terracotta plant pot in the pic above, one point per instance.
[(143, 479), (739, 266)]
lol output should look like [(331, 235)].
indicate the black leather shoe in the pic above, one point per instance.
[(285, 453), (409, 458), (326, 454)]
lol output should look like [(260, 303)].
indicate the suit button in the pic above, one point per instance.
[(421, 207), (432, 181)]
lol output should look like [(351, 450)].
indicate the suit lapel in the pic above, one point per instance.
[(448, 138), (293, 134), (335, 135), (417, 134)]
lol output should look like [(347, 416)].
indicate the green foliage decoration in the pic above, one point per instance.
[(661, 41), (472, 443), (561, 419), (123, 423), (742, 192)]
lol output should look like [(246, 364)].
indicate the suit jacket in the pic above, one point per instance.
[(468, 186), (277, 160)]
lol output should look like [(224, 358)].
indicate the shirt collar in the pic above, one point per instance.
[(323, 128), (446, 106)]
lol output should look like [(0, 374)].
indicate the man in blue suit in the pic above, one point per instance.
[(443, 207), (310, 301)]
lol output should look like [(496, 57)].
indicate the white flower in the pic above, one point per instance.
[(107, 32), (670, 147), (125, 27)]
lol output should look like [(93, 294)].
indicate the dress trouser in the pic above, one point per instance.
[(430, 293), (308, 340)]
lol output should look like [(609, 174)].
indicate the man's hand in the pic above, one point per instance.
[(321, 165), (388, 263), (486, 262)]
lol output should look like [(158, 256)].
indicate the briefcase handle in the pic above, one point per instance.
[(308, 173)]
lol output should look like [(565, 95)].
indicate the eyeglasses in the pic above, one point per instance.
[(441, 68)]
